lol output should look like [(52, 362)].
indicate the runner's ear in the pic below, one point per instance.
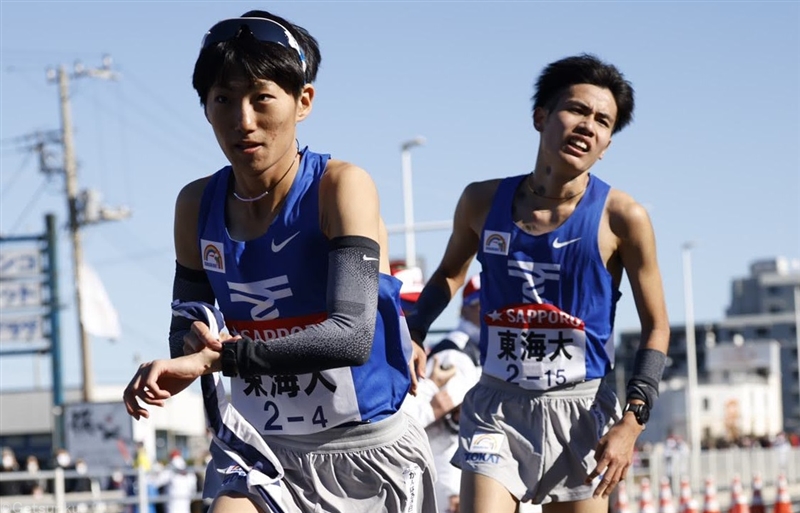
[(539, 117), (305, 102), (602, 153)]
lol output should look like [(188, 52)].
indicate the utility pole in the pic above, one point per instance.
[(76, 207)]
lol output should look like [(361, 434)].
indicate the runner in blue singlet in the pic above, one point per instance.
[(289, 245), (553, 245)]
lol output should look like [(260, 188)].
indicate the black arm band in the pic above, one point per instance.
[(345, 338), (430, 305), (188, 285), (647, 370)]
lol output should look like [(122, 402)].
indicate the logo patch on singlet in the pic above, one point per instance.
[(496, 243), (213, 256), (486, 443)]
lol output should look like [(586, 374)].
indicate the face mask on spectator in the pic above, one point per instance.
[(80, 468), (63, 460), (32, 466), (8, 461)]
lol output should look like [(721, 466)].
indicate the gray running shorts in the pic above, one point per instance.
[(538, 444), (385, 467)]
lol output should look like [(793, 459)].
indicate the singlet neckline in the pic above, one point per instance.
[(284, 204), (510, 210)]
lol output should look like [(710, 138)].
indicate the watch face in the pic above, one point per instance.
[(644, 414), (640, 411)]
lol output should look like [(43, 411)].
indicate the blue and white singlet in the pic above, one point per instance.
[(275, 285), (548, 300)]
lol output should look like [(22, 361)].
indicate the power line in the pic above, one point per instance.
[(28, 206)]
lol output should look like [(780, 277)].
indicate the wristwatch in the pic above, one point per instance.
[(228, 357), (640, 412)]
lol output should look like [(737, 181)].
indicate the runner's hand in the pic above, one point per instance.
[(614, 455), (417, 366), (200, 336), (157, 381)]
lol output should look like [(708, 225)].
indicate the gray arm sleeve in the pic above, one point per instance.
[(188, 285), (345, 338)]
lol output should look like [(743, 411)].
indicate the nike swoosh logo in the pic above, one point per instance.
[(367, 259), (559, 245), (278, 247)]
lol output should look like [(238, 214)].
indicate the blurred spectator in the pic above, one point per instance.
[(81, 483), (62, 460), (782, 447), (453, 368), (33, 485), (117, 480), (141, 460), (182, 486), (10, 464)]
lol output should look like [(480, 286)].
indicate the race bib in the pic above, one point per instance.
[(535, 346), (292, 404)]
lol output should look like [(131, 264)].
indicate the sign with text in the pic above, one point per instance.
[(100, 433), (20, 294), (21, 328), (21, 263)]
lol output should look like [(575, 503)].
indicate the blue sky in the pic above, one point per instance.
[(712, 151)]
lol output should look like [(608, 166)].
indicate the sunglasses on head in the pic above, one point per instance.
[(262, 29)]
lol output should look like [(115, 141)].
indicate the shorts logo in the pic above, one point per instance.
[(486, 443), (496, 243), (475, 457), (213, 257)]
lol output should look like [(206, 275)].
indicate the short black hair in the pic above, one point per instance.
[(254, 59), (585, 68)]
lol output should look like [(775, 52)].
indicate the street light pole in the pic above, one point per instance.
[(408, 199), (797, 332), (691, 367)]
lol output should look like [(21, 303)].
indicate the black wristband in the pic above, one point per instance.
[(647, 371), (228, 359)]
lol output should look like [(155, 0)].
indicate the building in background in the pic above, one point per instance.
[(743, 360), (27, 420)]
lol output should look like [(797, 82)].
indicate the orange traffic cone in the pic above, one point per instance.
[(710, 502), (738, 500), (783, 504), (621, 505), (665, 504), (686, 495), (692, 506), (757, 503), (645, 497)]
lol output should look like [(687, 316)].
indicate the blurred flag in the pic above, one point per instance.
[(97, 313)]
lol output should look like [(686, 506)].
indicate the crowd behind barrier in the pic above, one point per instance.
[(733, 472)]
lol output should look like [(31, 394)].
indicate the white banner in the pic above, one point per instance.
[(20, 263), (98, 314), (20, 294)]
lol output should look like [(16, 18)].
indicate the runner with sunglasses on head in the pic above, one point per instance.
[(290, 245), (553, 244)]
